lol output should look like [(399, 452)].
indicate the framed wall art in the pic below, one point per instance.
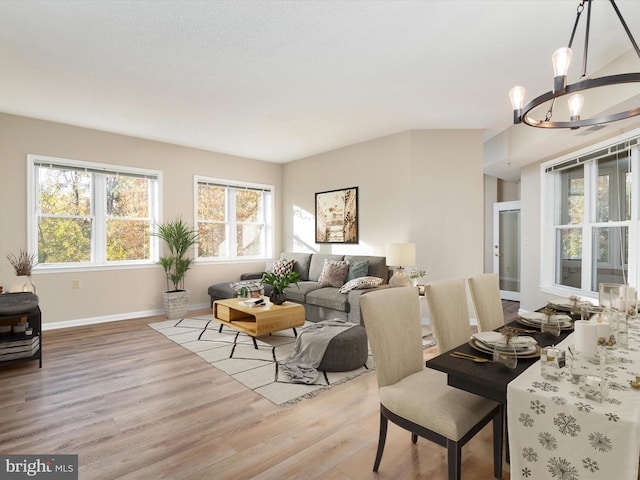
[(337, 216)]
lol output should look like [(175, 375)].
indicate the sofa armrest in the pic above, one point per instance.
[(355, 314), (251, 276)]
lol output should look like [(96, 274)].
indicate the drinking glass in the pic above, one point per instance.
[(505, 355), (551, 326), (552, 360)]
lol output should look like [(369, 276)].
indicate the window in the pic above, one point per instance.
[(593, 219), (87, 214), (234, 220)]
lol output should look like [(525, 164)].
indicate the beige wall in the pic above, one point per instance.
[(421, 186), (115, 294)]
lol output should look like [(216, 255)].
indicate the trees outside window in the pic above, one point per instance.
[(593, 218), (91, 214), (234, 220)]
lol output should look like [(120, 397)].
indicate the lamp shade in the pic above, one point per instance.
[(400, 254)]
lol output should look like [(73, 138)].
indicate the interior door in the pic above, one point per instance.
[(506, 248)]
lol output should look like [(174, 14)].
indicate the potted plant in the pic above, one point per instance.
[(179, 238), (279, 283), (22, 263)]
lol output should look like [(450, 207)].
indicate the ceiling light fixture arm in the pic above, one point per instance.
[(561, 61)]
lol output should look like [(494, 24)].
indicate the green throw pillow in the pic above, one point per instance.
[(357, 269)]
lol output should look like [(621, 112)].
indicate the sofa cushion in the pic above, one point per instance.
[(302, 261), (328, 297), (358, 268), (333, 273), (377, 265), (360, 283), (317, 264), (299, 293)]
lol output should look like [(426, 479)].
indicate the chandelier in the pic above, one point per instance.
[(561, 59)]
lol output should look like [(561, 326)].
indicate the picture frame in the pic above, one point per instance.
[(337, 216)]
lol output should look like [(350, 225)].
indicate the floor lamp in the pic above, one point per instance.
[(400, 255)]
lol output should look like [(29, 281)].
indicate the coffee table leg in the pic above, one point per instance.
[(295, 334), (255, 344)]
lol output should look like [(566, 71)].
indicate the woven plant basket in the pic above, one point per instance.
[(176, 304)]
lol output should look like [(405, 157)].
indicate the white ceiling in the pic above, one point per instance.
[(283, 80)]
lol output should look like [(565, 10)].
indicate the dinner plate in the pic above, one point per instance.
[(534, 324), (532, 351), (567, 305), (496, 340)]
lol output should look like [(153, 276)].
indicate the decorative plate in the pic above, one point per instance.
[(532, 352)]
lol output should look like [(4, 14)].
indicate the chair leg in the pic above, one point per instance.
[(454, 459), (381, 440), (414, 437), (498, 429)]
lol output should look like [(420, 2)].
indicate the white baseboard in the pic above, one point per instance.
[(112, 318)]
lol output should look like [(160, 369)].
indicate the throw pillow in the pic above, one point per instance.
[(333, 273), (360, 284), (253, 286), (357, 269), (283, 267)]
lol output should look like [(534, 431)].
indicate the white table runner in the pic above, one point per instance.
[(554, 434)]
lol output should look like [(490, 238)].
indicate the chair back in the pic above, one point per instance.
[(447, 300), (487, 303), (392, 320)]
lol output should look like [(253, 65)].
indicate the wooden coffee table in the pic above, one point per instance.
[(258, 321)]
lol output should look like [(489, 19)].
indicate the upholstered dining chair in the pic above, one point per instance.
[(447, 300), (487, 303), (417, 398)]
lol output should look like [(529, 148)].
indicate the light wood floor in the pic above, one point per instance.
[(133, 404)]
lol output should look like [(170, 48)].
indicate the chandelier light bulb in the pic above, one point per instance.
[(575, 105), (561, 60), (516, 95), (533, 113)]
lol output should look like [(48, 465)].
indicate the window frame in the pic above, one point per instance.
[(98, 212), (230, 222), (551, 193)]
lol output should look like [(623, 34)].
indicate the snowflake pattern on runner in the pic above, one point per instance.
[(600, 442), (526, 473), (560, 401), (548, 441), (545, 386), (562, 469), (538, 407), (612, 417), (526, 420), (590, 464), (584, 407), (613, 401), (567, 424), (620, 387), (529, 454)]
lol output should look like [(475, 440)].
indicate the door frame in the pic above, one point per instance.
[(499, 207)]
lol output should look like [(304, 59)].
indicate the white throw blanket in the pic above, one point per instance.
[(311, 344)]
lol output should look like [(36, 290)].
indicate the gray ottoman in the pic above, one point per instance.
[(13, 303), (346, 351)]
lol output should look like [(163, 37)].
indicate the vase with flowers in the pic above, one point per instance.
[(416, 275), (22, 263)]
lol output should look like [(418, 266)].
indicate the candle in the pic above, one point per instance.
[(586, 337), (604, 329)]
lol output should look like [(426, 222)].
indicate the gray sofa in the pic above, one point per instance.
[(320, 303)]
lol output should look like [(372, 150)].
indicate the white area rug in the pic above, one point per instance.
[(234, 353)]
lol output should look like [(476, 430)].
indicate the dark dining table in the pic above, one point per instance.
[(488, 379)]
